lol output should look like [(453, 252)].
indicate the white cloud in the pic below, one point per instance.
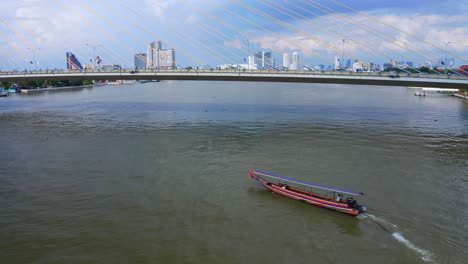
[(235, 44), (158, 8), (28, 13), (192, 19)]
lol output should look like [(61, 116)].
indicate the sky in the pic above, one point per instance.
[(38, 33)]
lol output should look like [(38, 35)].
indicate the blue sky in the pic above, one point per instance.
[(213, 32)]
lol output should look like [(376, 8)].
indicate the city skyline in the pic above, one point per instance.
[(201, 32)]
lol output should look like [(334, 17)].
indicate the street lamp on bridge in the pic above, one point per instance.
[(446, 46), (343, 59), (94, 53)]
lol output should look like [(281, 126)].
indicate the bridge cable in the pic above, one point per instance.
[(395, 28), (320, 29), (186, 37), (323, 25), (24, 40), (97, 28), (152, 32), (382, 35), (286, 25), (269, 31)]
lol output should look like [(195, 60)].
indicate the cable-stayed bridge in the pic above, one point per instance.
[(265, 40), (384, 79)]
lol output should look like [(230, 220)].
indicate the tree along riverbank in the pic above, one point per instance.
[(45, 84)]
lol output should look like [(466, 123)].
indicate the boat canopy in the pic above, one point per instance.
[(338, 190)]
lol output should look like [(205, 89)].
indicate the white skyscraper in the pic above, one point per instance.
[(152, 54), (286, 60), (295, 61), (251, 63), (158, 58), (337, 63)]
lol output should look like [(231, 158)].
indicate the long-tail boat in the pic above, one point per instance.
[(333, 198)]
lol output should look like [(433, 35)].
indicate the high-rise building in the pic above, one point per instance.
[(361, 66), (348, 63), (166, 59), (286, 60), (387, 65), (251, 63), (159, 58), (337, 63), (269, 61), (140, 61), (152, 54), (258, 56), (295, 61), (72, 62), (264, 60)]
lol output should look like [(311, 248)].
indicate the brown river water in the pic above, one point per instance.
[(157, 173)]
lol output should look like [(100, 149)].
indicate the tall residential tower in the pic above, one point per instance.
[(295, 61), (286, 60), (159, 58)]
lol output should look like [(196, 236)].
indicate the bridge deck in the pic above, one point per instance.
[(438, 81)]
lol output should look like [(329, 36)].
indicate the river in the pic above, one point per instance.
[(157, 173)]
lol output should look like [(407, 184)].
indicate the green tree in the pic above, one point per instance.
[(425, 69), (411, 70), (76, 83), (6, 84)]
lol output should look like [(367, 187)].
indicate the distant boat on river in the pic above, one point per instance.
[(3, 92), (14, 88), (122, 82)]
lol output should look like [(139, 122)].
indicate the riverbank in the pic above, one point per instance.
[(440, 90), (461, 96), (55, 88)]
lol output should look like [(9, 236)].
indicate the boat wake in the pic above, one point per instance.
[(378, 219), (426, 255)]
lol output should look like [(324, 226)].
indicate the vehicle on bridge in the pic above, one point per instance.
[(110, 67), (393, 74)]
